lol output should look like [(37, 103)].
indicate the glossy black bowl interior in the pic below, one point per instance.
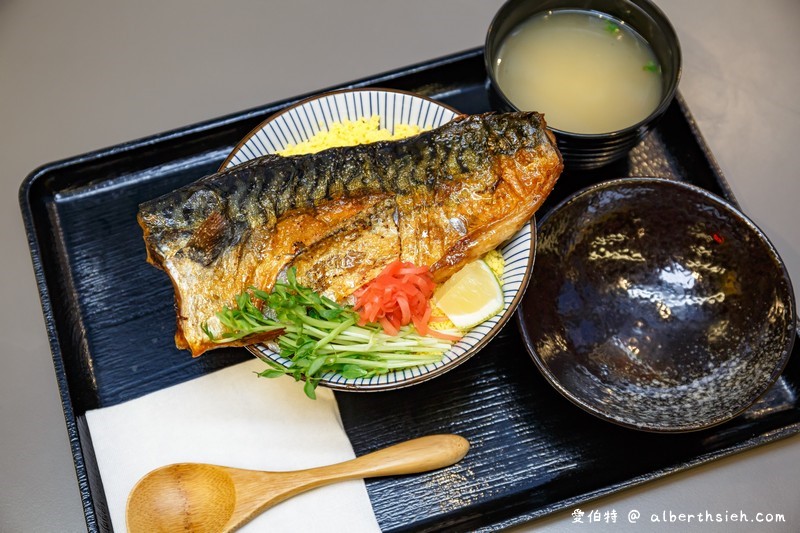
[(656, 305), (587, 151)]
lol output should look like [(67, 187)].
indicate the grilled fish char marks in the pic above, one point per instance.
[(440, 199)]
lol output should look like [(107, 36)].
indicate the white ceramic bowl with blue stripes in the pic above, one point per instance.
[(306, 118)]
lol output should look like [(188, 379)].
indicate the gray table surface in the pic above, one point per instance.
[(77, 76)]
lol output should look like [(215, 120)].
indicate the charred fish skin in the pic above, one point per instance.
[(442, 198), (258, 192)]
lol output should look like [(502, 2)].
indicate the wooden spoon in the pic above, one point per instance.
[(209, 498)]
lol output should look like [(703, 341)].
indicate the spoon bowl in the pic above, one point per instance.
[(162, 495), (211, 499)]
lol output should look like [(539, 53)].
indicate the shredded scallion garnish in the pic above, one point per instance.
[(321, 336)]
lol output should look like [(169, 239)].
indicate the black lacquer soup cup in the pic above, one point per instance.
[(584, 151), (656, 305)]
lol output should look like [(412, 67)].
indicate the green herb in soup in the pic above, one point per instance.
[(587, 72)]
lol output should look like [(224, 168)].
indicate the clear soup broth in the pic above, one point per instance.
[(586, 71)]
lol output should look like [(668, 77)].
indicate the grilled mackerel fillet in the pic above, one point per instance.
[(440, 198)]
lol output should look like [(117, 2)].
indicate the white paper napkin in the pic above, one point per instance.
[(233, 418)]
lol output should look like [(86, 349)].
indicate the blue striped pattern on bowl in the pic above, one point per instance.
[(299, 123), (304, 120)]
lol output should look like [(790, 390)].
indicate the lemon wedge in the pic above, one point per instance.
[(470, 296)]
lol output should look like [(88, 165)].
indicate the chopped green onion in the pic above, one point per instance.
[(651, 66), (612, 28)]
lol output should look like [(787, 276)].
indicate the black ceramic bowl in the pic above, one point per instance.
[(656, 305), (587, 151)]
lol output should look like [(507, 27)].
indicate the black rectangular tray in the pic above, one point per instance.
[(110, 321)]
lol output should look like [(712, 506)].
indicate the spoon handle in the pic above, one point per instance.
[(409, 457), (258, 491)]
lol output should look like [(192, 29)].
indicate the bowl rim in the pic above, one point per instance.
[(739, 215), (666, 98), (305, 101)]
